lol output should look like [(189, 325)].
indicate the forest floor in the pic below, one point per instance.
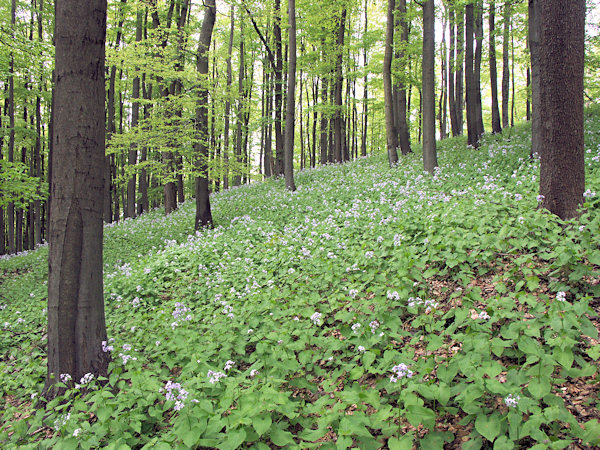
[(372, 308)]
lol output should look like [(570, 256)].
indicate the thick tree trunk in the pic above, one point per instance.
[(228, 101), (76, 324), (290, 114), (429, 143), (561, 62), (390, 122), (460, 62), (10, 210), (144, 204), (237, 178), (279, 157), (496, 126), (324, 122), (365, 109), (203, 212)]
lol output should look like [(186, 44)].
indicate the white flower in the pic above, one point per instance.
[(355, 327), (229, 364), (393, 295), (369, 254), (353, 293), (360, 348), (250, 331), (540, 198), (561, 296), (400, 371), (157, 343), (484, 315), (253, 373), (316, 318), (374, 325), (65, 377), (214, 377), (512, 400), (76, 432)]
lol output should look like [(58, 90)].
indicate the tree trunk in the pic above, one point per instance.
[(505, 67), (477, 68), (534, 45), (10, 210), (401, 109), (460, 61), (324, 122), (279, 157), (496, 126), (237, 178), (144, 204), (203, 212), (472, 130), (76, 324), (228, 101), (338, 140), (365, 110), (290, 114), (451, 72), (561, 62), (390, 122), (429, 144)]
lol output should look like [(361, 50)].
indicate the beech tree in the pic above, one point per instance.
[(76, 324), (390, 124), (429, 144), (561, 60), (291, 100)]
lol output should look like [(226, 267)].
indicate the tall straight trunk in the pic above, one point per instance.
[(324, 121), (472, 130), (496, 125), (460, 63), (237, 178), (76, 322), (268, 152), (534, 45), (390, 122), (290, 114), (443, 102), (561, 63), (429, 143), (144, 204), (37, 205), (302, 143), (135, 118), (365, 109), (228, 101), (10, 210), (203, 211), (338, 140), (451, 70), (401, 107), (279, 156), (247, 101), (477, 68), (313, 161), (178, 86), (263, 114), (2, 232), (505, 66)]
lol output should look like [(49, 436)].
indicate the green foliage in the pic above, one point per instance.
[(317, 297)]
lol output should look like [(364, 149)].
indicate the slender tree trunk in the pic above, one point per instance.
[(11, 136), (291, 100), (477, 68), (472, 131), (390, 122), (237, 178), (228, 101), (505, 66), (338, 141), (144, 204), (135, 117), (76, 324), (279, 157), (534, 45), (401, 108), (37, 205), (460, 62), (203, 211), (561, 63), (451, 72), (268, 153), (429, 143), (324, 122), (496, 126), (365, 115)]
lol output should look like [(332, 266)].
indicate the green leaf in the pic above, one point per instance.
[(104, 413), (404, 443), (594, 352), (488, 426), (418, 415), (538, 387), (192, 436), (235, 438), (563, 356), (281, 438), (435, 342), (261, 423)]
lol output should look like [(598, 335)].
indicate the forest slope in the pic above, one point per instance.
[(372, 307)]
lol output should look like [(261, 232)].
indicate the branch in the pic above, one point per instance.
[(262, 38)]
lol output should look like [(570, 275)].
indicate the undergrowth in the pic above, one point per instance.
[(373, 307)]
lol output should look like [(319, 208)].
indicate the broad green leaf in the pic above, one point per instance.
[(261, 423), (404, 443), (488, 426)]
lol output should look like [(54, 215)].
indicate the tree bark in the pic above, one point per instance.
[(279, 157), (561, 60), (460, 62), (505, 66), (76, 323), (401, 109), (390, 122), (290, 114), (451, 72), (472, 130), (428, 80), (203, 211), (338, 138), (10, 210), (477, 68), (496, 125), (324, 122), (228, 100), (534, 44)]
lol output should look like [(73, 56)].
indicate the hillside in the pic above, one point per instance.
[(373, 307)]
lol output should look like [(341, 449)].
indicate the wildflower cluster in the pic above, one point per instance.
[(316, 318), (214, 377), (393, 295), (561, 296), (374, 325), (414, 302), (400, 371), (174, 391), (107, 348), (512, 400), (86, 379), (181, 313)]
